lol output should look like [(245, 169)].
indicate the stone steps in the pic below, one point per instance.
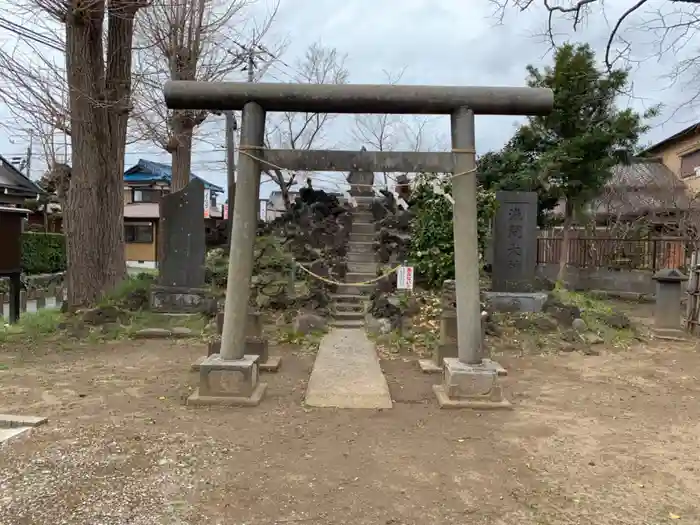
[(362, 267), (362, 217), (343, 316), (347, 298), (362, 228), (351, 307), (360, 247), (361, 237), (360, 257), (348, 323), (349, 289), (349, 304)]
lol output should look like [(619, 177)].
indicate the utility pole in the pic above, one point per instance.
[(29, 155), (231, 128)]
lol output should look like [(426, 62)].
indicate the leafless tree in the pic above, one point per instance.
[(388, 132), (303, 131), (668, 26), (96, 42), (206, 40)]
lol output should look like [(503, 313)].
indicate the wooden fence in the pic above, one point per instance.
[(605, 252)]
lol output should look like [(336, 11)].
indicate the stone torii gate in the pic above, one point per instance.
[(470, 380)]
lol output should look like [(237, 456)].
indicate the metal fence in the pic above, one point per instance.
[(605, 252)]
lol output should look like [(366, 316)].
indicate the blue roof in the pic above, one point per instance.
[(149, 171)]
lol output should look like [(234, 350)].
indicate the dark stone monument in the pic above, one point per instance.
[(180, 287), (514, 242)]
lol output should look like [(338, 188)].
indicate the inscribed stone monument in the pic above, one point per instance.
[(182, 234), (514, 242)]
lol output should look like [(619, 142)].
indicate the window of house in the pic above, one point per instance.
[(212, 200), (138, 233), (689, 162), (146, 195)]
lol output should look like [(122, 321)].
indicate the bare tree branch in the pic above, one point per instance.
[(304, 131), (206, 40), (672, 25)]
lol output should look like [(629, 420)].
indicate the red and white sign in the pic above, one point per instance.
[(404, 278), (225, 211)]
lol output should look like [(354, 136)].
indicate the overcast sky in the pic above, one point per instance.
[(453, 42)]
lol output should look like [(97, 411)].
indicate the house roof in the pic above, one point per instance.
[(13, 180), (642, 187), (687, 132), (150, 171)]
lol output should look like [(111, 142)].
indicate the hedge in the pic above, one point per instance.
[(43, 252)]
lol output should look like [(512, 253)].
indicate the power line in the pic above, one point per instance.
[(30, 35)]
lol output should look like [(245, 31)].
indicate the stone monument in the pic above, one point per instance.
[(361, 182), (667, 310), (515, 253), (180, 287)]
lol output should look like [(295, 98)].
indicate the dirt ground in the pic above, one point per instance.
[(609, 439)]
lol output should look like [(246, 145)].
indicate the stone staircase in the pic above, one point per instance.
[(350, 302)]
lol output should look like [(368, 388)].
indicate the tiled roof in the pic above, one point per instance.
[(150, 171), (19, 181), (644, 186)]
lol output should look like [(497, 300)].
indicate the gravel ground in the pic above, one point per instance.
[(593, 439)]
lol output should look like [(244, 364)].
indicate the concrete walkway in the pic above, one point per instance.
[(346, 373)]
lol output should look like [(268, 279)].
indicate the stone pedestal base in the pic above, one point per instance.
[(670, 334), (228, 382), (257, 346), (470, 386), (180, 300)]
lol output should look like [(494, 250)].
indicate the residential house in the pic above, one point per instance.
[(144, 185), (274, 205), (15, 187), (643, 217), (680, 153)]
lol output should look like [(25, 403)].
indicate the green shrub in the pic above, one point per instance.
[(133, 294), (43, 252), (216, 268), (432, 238)]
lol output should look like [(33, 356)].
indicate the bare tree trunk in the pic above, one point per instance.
[(565, 241), (181, 153), (99, 102)]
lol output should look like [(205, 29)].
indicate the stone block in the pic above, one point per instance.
[(214, 347), (444, 350), (228, 382), (428, 366), (254, 324), (176, 299), (515, 301), (470, 386), (448, 326), (257, 346)]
